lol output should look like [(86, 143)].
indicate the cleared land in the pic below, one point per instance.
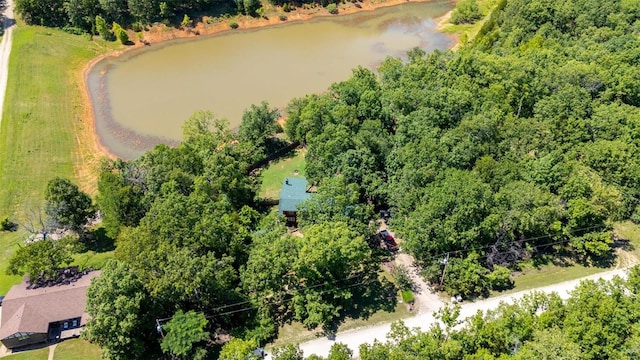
[(292, 165), (44, 132), (76, 349), (39, 354), (466, 32)]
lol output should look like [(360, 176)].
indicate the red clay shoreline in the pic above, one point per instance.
[(161, 34)]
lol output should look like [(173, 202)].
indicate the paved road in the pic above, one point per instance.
[(8, 22), (355, 338)]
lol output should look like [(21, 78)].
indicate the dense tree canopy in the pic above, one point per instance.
[(523, 143), (188, 228), (523, 139), (82, 13)]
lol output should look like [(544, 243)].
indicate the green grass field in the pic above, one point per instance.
[(296, 333), (273, 176), (76, 349), (466, 32), (44, 130), (38, 354), (627, 254)]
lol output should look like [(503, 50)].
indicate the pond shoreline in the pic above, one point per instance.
[(161, 33)]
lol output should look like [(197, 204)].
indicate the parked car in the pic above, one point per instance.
[(389, 241), (1, 298), (385, 215)]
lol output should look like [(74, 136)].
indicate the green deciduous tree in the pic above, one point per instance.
[(466, 11), (336, 200), (103, 29), (121, 321), (340, 351), (258, 126), (120, 33), (288, 352), (238, 349), (250, 7), (82, 13), (67, 206), (41, 258), (42, 12), (184, 331)]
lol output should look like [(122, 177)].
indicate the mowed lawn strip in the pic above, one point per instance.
[(273, 176), (44, 132), (76, 349), (38, 354)]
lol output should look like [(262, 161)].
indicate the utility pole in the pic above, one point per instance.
[(444, 262), (159, 328)]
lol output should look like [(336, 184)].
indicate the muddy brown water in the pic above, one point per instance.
[(143, 97)]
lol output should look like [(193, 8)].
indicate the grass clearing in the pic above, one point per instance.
[(92, 259), (44, 131), (549, 275), (466, 32), (296, 333), (627, 253), (628, 236), (77, 349), (37, 354), (273, 176)]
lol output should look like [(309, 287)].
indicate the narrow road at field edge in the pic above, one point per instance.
[(355, 338), (8, 23)]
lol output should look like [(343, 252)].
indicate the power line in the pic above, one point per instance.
[(289, 299), (442, 255), (158, 321)]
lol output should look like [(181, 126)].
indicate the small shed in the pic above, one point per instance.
[(294, 191)]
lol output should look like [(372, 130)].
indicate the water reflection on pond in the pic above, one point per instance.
[(143, 97)]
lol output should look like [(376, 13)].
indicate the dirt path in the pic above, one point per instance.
[(8, 23), (427, 301), (52, 350)]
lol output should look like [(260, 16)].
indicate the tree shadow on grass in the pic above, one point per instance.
[(374, 296), (97, 240)]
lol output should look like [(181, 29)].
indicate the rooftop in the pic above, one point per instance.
[(31, 310), (294, 191)]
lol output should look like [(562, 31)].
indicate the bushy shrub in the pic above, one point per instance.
[(120, 33), (73, 30), (137, 26), (283, 17), (500, 278), (286, 7), (407, 296), (635, 217), (466, 12), (332, 8), (8, 225), (401, 277), (103, 29), (251, 7), (233, 24), (186, 22)]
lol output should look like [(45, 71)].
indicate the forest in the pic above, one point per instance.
[(521, 145), (86, 15)]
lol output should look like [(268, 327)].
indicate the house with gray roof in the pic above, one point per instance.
[(44, 314), (294, 191)]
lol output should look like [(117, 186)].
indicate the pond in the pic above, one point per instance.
[(143, 97)]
